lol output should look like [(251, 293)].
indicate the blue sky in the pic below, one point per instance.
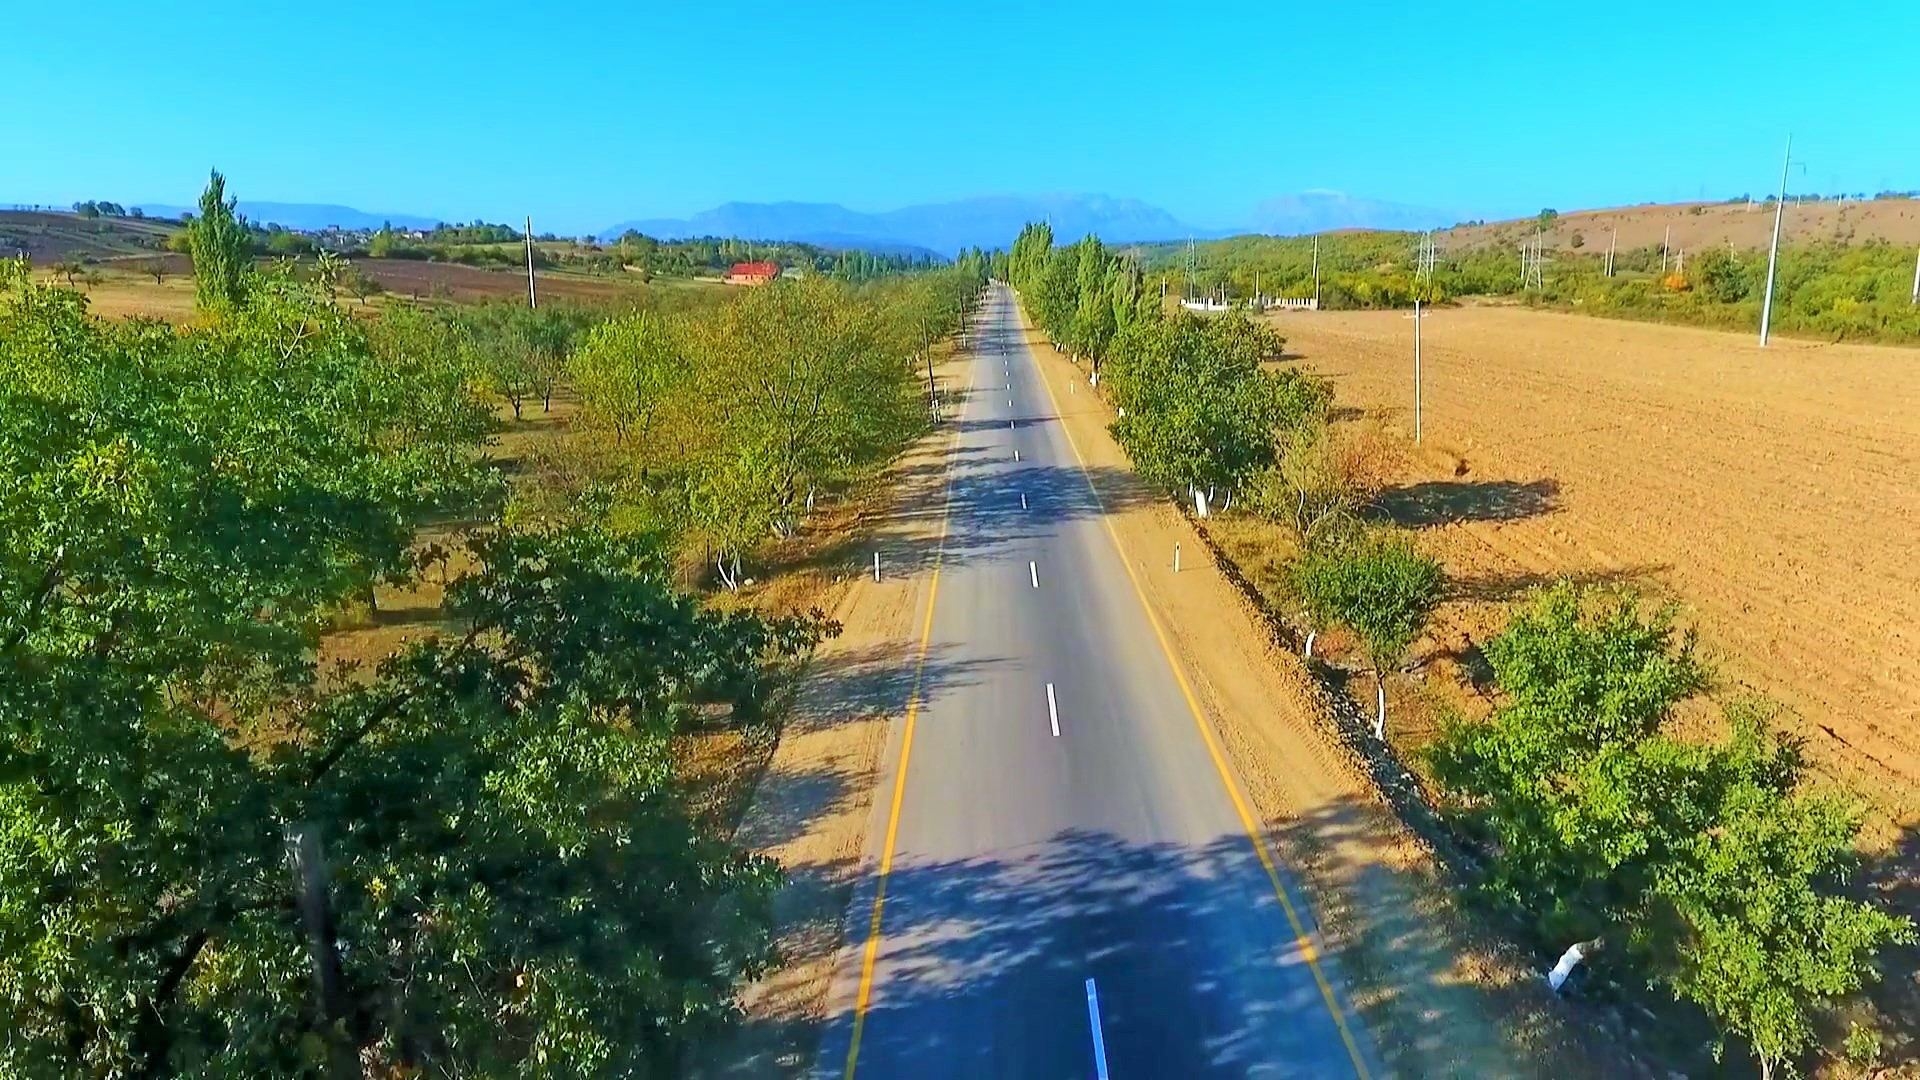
[(588, 112)]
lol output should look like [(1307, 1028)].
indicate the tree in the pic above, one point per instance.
[(69, 269), (158, 268), (179, 512), (1715, 865), (360, 283), (222, 250), (1377, 585), (1547, 219), (1198, 410), (626, 371), (1720, 276), (1767, 939)]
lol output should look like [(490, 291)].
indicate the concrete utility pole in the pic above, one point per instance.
[(1916, 278), (1316, 273), (533, 300), (1416, 369), (1773, 252), (1666, 248), (1612, 242)]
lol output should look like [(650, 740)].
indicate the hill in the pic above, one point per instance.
[(1696, 226), (308, 217), (48, 236), (988, 222)]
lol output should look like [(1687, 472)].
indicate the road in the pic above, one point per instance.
[(1066, 863)]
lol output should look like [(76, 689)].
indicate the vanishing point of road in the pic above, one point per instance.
[(1069, 882)]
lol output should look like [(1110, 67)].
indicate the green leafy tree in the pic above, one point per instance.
[(222, 249), (1715, 865), (1378, 586), (503, 828), (1198, 411), (628, 372)]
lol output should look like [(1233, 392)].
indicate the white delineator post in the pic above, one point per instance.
[(1380, 717), (1176, 556), (876, 566)]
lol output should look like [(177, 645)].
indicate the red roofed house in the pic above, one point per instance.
[(753, 273)]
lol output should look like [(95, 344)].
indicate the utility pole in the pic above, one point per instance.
[(1416, 369), (1316, 273), (1916, 278), (1666, 249), (1612, 241), (533, 300), (1773, 252)]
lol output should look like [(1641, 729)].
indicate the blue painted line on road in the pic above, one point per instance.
[(1099, 1041)]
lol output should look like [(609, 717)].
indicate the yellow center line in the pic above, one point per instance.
[(871, 953), (1247, 822)]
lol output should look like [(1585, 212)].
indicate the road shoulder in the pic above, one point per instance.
[(814, 805), (1436, 1000)]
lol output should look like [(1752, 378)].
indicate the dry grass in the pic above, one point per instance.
[(1696, 226)]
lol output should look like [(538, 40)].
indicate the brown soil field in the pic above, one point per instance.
[(1773, 495), (451, 281), (1698, 225), (47, 236), (122, 288)]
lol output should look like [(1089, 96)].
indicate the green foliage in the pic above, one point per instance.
[(1375, 583), (725, 420), (1198, 408), (222, 250), (1831, 290), (1714, 865), (518, 886)]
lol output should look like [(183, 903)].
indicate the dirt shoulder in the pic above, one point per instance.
[(812, 807), (1439, 998)]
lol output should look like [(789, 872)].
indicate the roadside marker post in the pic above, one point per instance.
[(1053, 712), (1176, 556), (876, 566), (1033, 572), (1023, 500)]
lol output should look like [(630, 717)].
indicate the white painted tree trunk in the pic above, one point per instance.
[(1569, 960), (1311, 634), (1380, 717), (1199, 503), (720, 564)]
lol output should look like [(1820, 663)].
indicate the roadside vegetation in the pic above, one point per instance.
[(1706, 867), (1830, 290), (477, 855)]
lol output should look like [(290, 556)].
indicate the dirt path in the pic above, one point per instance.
[(1438, 1002)]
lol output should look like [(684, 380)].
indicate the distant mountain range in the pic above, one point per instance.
[(992, 221), (307, 217), (945, 228), (988, 221)]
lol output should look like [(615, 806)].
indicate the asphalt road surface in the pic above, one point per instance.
[(1073, 890)]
